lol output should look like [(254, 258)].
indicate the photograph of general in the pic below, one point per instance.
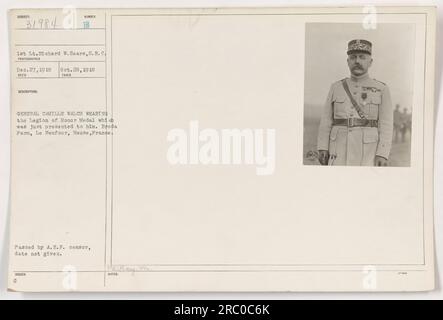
[(358, 94)]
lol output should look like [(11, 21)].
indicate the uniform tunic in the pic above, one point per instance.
[(357, 146)]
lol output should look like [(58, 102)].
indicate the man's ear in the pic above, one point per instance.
[(370, 63)]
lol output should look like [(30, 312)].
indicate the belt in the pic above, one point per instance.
[(355, 122)]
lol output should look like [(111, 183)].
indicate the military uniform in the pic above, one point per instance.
[(352, 136)]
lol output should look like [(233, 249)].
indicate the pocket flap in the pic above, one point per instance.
[(339, 99), (370, 136), (375, 99), (333, 135)]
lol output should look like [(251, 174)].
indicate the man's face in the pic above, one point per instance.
[(359, 63)]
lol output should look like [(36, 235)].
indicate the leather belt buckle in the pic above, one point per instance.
[(350, 122)]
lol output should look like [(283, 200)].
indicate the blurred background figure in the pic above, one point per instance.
[(397, 123), (405, 124)]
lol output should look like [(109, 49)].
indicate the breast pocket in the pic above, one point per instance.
[(374, 101), (339, 106)]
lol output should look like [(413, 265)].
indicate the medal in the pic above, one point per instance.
[(364, 95)]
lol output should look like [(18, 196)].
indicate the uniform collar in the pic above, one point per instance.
[(359, 78)]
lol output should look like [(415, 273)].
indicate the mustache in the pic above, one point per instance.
[(357, 67)]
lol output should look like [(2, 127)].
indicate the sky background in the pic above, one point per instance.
[(325, 60)]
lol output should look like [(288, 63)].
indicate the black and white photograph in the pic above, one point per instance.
[(358, 94)]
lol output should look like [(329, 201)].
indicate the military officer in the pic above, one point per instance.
[(357, 121)]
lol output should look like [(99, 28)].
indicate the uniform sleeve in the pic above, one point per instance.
[(385, 125), (325, 123)]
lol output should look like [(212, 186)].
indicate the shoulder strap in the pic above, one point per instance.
[(354, 103)]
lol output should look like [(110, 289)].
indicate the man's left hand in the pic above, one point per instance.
[(381, 161)]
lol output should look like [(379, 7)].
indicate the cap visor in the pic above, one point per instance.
[(358, 51)]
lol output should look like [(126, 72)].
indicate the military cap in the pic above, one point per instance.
[(359, 45)]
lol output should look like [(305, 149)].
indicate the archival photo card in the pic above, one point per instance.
[(234, 149)]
